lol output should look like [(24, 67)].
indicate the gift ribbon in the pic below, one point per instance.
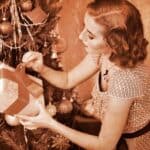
[(25, 86), (33, 87)]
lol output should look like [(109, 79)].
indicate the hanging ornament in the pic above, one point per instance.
[(65, 106), (5, 27), (12, 120), (60, 65), (54, 55), (61, 45), (45, 44), (51, 109), (26, 5)]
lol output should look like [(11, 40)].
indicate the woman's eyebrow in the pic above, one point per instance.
[(90, 33)]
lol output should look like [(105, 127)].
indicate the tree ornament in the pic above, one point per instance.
[(45, 44), (54, 55), (51, 109), (60, 65), (58, 48), (60, 45), (26, 5), (12, 120), (5, 27), (65, 106)]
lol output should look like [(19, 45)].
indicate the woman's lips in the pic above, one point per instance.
[(85, 46)]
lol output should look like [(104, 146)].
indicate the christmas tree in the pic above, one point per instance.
[(30, 25)]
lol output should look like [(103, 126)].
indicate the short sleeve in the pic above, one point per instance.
[(125, 85)]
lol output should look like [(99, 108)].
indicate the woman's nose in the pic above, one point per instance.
[(82, 36)]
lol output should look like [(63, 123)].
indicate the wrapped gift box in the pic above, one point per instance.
[(19, 91), (37, 15)]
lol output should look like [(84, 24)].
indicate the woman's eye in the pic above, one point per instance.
[(90, 37)]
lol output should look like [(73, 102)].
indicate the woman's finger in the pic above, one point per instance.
[(28, 125), (40, 106), (23, 117)]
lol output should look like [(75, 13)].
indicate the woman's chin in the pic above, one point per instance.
[(92, 51)]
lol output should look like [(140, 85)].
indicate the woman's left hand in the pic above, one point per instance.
[(43, 119)]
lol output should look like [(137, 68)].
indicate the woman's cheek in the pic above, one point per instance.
[(96, 48), (88, 50)]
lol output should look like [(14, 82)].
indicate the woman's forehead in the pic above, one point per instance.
[(92, 25)]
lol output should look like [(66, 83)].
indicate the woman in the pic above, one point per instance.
[(116, 47)]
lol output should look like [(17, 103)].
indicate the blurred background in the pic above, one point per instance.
[(70, 26)]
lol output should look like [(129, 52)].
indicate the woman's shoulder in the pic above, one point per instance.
[(135, 74), (129, 83)]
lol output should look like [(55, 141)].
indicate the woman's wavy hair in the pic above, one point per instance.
[(124, 30)]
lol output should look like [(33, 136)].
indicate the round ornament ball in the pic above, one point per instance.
[(12, 120), (6, 28), (26, 5), (65, 107), (51, 109)]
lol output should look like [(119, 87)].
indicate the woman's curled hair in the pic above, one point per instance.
[(124, 30), (127, 50)]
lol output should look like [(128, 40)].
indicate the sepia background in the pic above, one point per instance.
[(70, 25)]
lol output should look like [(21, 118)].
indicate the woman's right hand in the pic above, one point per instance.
[(42, 120), (88, 108), (33, 60)]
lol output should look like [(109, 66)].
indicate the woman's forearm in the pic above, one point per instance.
[(86, 141), (56, 78), (65, 80)]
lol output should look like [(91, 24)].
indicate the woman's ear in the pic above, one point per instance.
[(117, 39)]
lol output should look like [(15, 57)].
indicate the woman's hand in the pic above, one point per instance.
[(43, 119), (33, 60), (88, 108)]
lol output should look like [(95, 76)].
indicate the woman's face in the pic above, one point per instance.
[(92, 36)]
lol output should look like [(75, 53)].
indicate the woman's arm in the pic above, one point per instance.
[(85, 69), (61, 79), (111, 130), (114, 122)]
